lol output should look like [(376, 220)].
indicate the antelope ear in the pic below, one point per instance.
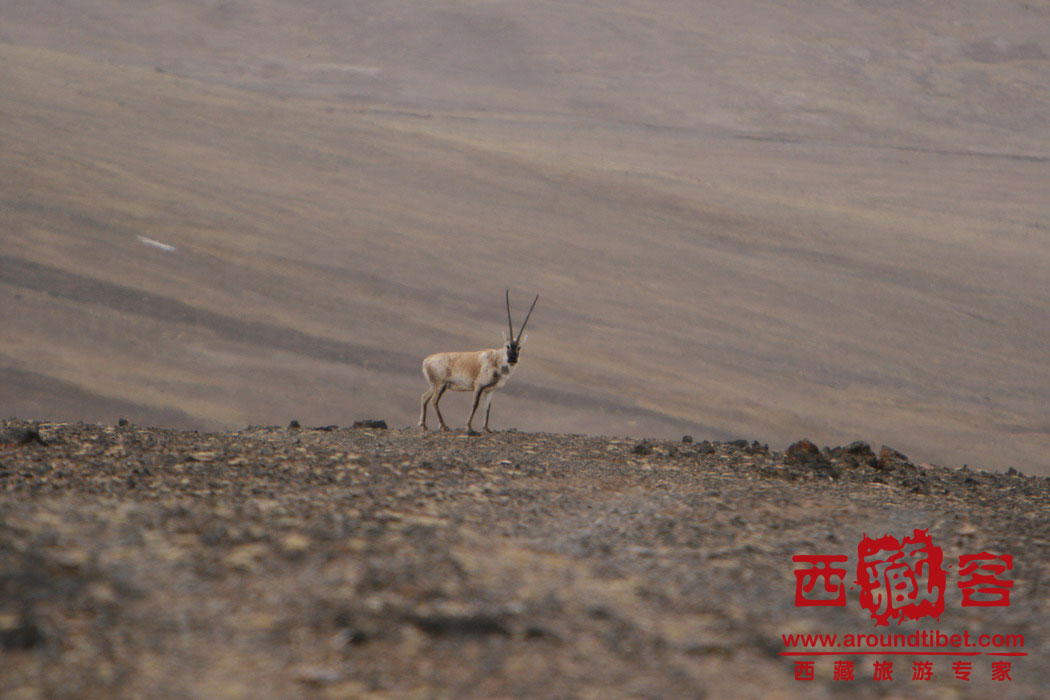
[(506, 338), (521, 340)]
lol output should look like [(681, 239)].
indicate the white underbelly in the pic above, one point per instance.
[(460, 384)]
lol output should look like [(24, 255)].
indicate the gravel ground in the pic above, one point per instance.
[(365, 562)]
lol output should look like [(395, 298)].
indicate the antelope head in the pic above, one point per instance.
[(514, 343)]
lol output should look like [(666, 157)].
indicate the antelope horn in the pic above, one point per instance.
[(527, 316), (510, 324)]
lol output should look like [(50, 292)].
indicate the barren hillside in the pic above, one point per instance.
[(361, 563), (743, 218)]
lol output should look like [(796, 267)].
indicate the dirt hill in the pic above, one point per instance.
[(743, 217), (350, 563)]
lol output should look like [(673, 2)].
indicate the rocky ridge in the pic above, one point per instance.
[(366, 562)]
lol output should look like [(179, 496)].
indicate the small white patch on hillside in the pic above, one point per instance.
[(157, 244)]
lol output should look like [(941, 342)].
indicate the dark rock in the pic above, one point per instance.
[(539, 632), (294, 425), (599, 612), (758, 448), (856, 454), (741, 444), (858, 447), (642, 448), (919, 486), (24, 635), (890, 460), (378, 424), (805, 453), (123, 422), (468, 625), (20, 436), (706, 448), (687, 439), (352, 636)]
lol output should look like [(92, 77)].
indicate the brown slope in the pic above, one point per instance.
[(689, 282), (956, 74), (224, 290)]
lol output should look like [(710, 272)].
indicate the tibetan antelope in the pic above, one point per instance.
[(481, 371)]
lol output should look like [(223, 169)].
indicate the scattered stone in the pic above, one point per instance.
[(362, 546), (123, 422), (17, 632), (919, 484), (351, 636), (294, 425), (856, 454), (21, 436), (376, 424), (534, 632), (687, 439), (467, 625), (757, 448), (890, 460), (805, 453), (642, 448), (740, 444)]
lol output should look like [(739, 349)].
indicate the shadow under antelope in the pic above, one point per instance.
[(480, 371)]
